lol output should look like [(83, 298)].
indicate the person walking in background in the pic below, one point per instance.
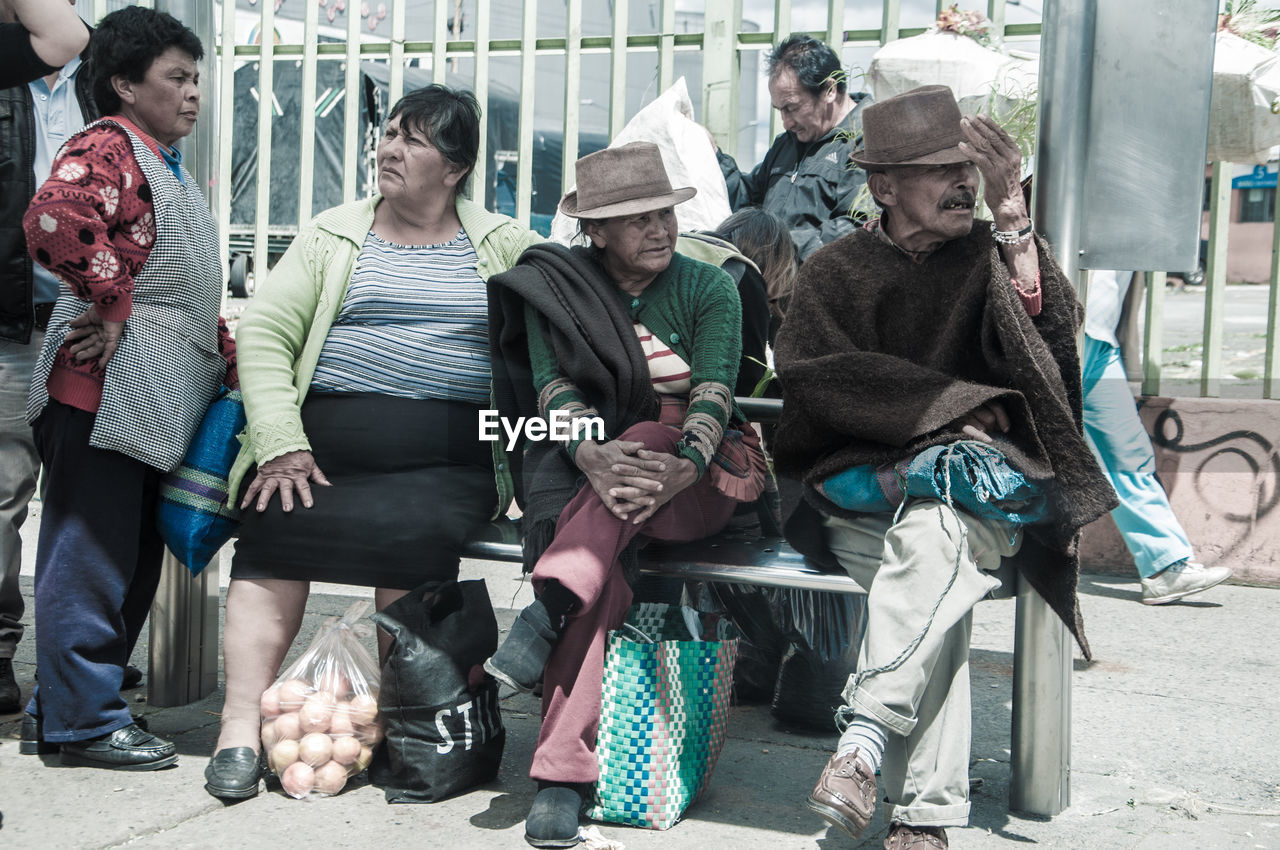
[(806, 178), (44, 112), (1160, 548), (135, 351), (37, 37)]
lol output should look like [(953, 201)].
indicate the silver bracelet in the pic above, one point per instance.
[(1013, 237)]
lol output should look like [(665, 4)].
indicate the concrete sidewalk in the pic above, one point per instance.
[(1174, 745)]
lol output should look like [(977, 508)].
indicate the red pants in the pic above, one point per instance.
[(584, 558)]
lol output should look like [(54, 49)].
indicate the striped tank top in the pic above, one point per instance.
[(414, 323)]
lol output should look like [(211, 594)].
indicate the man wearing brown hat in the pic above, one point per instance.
[(932, 413)]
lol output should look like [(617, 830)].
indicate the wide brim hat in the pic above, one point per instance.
[(918, 127), (627, 180)]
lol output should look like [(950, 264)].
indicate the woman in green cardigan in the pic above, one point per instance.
[(365, 371), (645, 343)]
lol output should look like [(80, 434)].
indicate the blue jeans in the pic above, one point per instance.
[(1123, 449), (19, 465), (97, 570)]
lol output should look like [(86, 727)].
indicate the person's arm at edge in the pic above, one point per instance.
[(56, 30)]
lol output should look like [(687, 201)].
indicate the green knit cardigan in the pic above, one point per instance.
[(693, 307)]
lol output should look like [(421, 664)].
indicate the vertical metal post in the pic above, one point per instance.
[(1215, 280), (1041, 735), (720, 72), (1153, 333), (183, 662), (1271, 361)]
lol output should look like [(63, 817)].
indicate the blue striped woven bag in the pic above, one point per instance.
[(664, 714), (193, 516)]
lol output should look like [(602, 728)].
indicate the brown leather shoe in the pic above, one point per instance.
[(845, 795), (906, 837)]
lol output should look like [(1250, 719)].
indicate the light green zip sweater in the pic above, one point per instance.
[(282, 331)]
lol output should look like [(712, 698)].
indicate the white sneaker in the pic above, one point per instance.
[(1181, 579)]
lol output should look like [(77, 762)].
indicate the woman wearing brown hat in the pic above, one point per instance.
[(647, 341)]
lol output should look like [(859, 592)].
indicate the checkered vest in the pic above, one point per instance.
[(167, 367)]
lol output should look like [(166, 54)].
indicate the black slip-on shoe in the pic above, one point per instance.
[(553, 818), (520, 660), (10, 695), (31, 743), (130, 748), (131, 679), (233, 774)]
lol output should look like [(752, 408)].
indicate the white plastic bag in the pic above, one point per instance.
[(982, 79), (1246, 83), (320, 719), (687, 155)]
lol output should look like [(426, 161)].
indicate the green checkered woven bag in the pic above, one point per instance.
[(663, 716)]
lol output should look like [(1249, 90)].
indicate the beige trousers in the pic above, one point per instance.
[(923, 574)]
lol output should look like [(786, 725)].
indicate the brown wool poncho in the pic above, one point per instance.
[(879, 353)]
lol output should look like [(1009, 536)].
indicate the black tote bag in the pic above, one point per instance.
[(444, 730)]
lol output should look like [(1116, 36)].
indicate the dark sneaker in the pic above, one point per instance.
[(845, 795), (520, 660), (906, 837), (10, 696), (131, 678), (553, 819), (130, 748)]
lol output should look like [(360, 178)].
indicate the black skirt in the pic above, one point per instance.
[(410, 482)]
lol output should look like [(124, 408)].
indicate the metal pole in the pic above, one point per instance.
[(183, 663), (1041, 735)]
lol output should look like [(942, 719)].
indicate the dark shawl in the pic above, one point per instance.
[(879, 353), (595, 346)]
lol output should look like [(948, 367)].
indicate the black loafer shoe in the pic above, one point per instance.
[(233, 774), (130, 748), (553, 818), (31, 743), (520, 660)]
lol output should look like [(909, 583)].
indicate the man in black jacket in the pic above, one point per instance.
[(42, 115), (806, 178)]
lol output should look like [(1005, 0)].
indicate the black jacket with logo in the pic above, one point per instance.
[(811, 186)]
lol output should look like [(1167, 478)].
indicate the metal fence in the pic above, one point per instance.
[(719, 49)]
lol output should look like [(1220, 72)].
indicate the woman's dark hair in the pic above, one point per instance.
[(127, 41), (761, 237), (816, 65), (450, 120)]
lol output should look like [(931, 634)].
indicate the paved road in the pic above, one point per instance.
[(1243, 341)]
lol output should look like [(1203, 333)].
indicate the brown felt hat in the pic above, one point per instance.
[(627, 180), (918, 127)]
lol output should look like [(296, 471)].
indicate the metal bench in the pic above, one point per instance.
[(184, 637)]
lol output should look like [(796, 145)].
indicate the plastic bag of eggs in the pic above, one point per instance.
[(318, 735)]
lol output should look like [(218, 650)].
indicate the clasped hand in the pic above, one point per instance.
[(91, 337), (632, 481), (286, 473), (981, 422)]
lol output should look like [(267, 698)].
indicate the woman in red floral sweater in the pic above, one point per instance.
[(134, 353)]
